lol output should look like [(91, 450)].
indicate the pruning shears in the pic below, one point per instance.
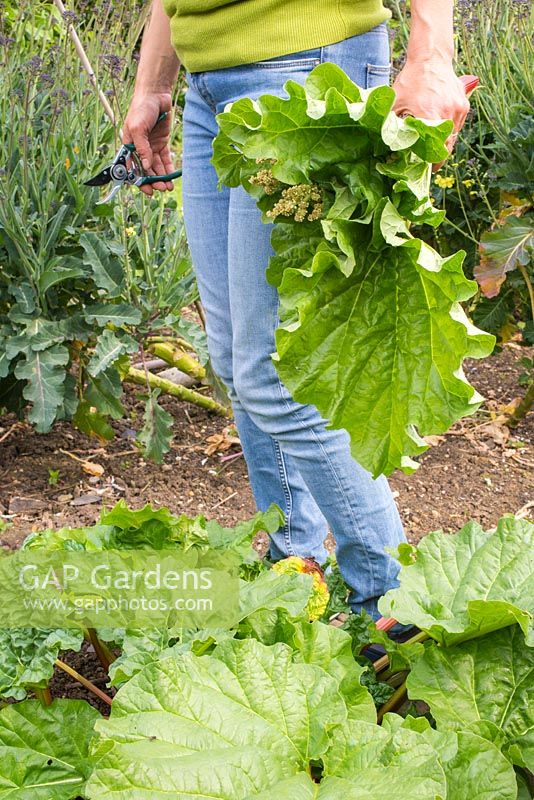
[(126, 167)]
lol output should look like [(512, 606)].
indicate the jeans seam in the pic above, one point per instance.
[(287, 495), (357, 527), (303, 63), (205, 93)]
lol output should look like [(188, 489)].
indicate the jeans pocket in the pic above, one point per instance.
[(377, 75)]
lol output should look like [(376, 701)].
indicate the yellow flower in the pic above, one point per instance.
[(76, 149), (473, 194), (67, 163), (445, 183), (129, 231), (468, 183)]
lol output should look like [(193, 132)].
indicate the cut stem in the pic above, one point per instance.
[(138, 377), (176, 357), (84, 681)]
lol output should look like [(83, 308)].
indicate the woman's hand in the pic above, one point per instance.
[(431, 90), (427, 87), (152, 143)]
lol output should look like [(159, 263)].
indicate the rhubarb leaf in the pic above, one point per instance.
[(463, 586), (44, 751), (225, 726), (474, 769), (27, 657), (379, 352), (331, 649), (487, 680), (372, 329)]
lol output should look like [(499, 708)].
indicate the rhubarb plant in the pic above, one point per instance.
[(372, 328), (460, 587), (277, 705)]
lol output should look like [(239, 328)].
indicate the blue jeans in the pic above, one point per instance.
[(293, 459)]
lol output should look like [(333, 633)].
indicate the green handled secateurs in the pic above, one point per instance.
[(126, 167)]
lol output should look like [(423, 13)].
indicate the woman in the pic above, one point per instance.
[(246, 48)]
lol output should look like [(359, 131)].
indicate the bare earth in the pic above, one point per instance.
[(480, 470)]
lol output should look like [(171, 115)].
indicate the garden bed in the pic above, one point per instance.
[(474, 472)]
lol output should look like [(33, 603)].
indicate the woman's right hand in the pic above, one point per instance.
[(151, 141)]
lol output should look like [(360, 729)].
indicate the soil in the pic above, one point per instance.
[(479, 470)]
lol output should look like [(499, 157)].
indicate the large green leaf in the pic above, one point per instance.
[(408, 759), (380, 762), (44, 752), (271, 591), (260, 602), (44, 372), (27, 657), (123, 528), (225, 726), (372, 331), (380, 350), (473, 767), (463, 586), (331, 649), (487, 680)]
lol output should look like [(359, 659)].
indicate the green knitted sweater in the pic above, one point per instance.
[(212, 34)]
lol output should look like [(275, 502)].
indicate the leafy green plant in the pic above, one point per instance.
[(490, 177), (278, 705), (373, 332), (82, 287), (462, 587)]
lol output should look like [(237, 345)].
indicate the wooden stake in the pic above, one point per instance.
[(85, 61)]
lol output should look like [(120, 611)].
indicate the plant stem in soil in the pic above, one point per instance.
[(44, 696), (84, 681)]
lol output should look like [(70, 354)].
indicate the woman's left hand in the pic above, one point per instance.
[(431, 90)]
